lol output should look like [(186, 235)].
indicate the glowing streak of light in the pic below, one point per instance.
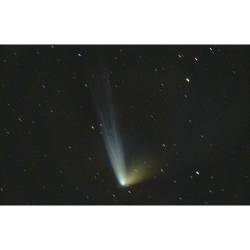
[(104, 103)]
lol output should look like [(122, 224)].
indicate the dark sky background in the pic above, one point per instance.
[(182, 109)]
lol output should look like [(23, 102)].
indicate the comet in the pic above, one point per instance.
[(102, 93)]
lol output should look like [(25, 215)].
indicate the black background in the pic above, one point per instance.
[(195, 133)]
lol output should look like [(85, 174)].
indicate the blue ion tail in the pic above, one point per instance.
[(104, 104)]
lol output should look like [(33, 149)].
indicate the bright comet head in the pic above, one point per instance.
[(123, 183)]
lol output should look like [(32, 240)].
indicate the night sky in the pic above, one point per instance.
[(181, 110)]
